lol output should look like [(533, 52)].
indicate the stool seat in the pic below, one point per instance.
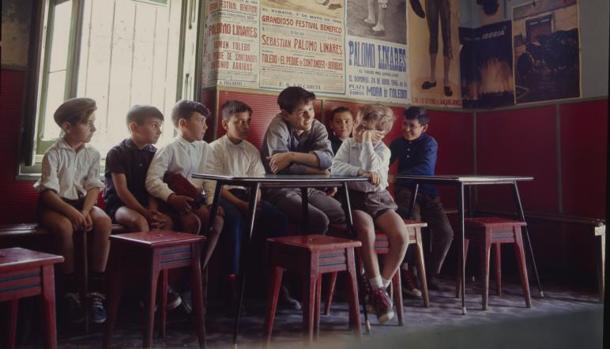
[(154, 253), (311, 256)]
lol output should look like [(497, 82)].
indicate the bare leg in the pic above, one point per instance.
[(393, 226), (102, 227), (62, 230), (365, 232), (131, 219)]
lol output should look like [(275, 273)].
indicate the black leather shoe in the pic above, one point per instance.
[(428, 85)]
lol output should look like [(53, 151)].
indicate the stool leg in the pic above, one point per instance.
[(163, 310), (153, 279), (352, 290), (83, 260), (272, 297), (396, 285), (498, 259), (310, 278), (458, 282), (317, 306), (485, 253), (602, 266), (330, 293), (197, 288), (113, 295), (520, 254), (48, 307), (421, 268), (13, 307)]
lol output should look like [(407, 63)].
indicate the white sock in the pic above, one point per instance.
[(386, 282), (376, 282)]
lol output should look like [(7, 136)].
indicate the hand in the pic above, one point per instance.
[(88, 221), (180, 203), (331, 191), (373, 177), (77, 219), (279, 161)]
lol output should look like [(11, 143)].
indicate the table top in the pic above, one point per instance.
[(464, 179), (282, 179), (18, 257), (157, 238)]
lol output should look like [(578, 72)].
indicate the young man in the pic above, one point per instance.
[(233, 155), (416, 152), (297, 143), (186, 155), (341, 125), (127, 201), (69, 186)]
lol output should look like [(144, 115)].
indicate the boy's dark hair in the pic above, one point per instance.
[(232, 107), (139, 114), (74, 110), (293, 96), (418, 113), (338, 110), (184, 109)]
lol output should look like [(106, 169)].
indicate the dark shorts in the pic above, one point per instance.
[(374, 203), (77, 204)]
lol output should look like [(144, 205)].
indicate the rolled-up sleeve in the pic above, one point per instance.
[(48, 176), (154, 177), (321, 146), (92, 180)]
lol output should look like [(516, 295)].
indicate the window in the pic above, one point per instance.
[(118, 52)]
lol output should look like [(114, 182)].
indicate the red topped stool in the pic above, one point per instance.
[(155, 253), (382, 245), (311, 256), (27, 273), (488, 231)]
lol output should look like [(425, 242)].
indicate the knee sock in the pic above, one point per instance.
[(376, 282), (386, 282)]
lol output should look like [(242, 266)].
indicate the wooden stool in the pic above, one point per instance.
[(27, 273), (311, 256), (496, 230), (382, 246), (153, 253)]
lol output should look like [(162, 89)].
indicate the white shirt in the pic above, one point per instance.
[(353, 156), (68, 172), (228, 158), (179, 156)]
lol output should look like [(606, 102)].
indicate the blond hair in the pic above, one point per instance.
[(382, 115)]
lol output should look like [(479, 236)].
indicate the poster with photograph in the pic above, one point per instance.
[(486, 66), (231, 45), (546, 50), (376, 50), (302, 43), (433, 42)]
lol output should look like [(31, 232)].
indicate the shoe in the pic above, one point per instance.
[(428, 85), (448, 91), (382, 304), (409, 285), (380, 32), (97, 310), (433, 284), (287, 301), (74, 308), (173, 299), (187, 302), (416, 6)]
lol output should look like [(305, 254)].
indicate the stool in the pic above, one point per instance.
[(154, 253), (27, 273), (488, 231), (311, 256), (382, 246)]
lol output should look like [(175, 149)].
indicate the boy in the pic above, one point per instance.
[(127, 201), (233, 155), (69, 187), (341, 125), (416, 153), (186, 155), (297, 143), (372, 205)]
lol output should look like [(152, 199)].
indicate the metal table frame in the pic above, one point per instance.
[(302, 182), (460, 182)]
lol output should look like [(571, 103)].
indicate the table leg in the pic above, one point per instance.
[(48, 306), (305, 210), (242, 275), (350, 229), (214, 209), (527, 237), (413, 199), (461, 229)]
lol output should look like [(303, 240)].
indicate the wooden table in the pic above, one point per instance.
[(459, 183), (276, 181), (27, 273)]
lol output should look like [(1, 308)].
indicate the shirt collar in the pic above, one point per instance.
[(186, 143), (129, 143), (228, 142), (62, 144)]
